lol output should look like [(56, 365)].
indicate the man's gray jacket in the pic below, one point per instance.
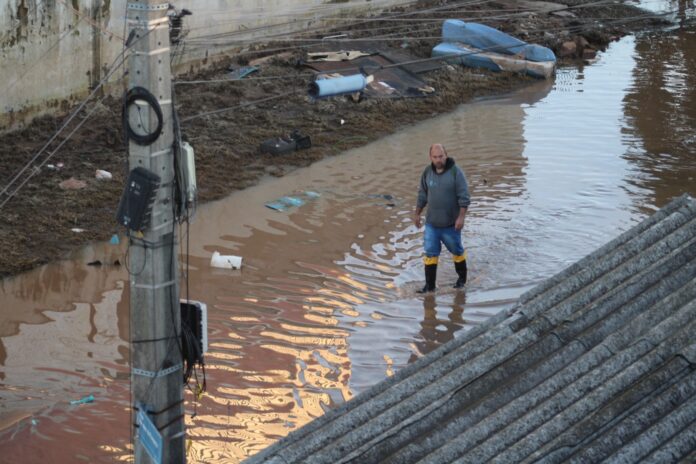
[(444, 194)]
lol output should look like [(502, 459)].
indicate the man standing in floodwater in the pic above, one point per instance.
[(444, 189)]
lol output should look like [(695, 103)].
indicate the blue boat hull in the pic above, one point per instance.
[(488, 39), (460, 54)]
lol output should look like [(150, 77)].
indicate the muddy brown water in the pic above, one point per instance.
[(324, 306)]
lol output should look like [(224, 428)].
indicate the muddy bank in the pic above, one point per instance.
[(44, 221)]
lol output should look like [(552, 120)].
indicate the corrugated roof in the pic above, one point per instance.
[(597, 363)]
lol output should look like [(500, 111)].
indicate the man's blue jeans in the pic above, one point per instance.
[(436, 236)]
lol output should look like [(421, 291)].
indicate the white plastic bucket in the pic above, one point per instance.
[(226, 261)]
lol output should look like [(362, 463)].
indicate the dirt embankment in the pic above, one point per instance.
[(37, 225)]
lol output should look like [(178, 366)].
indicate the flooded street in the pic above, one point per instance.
[(325, 304)]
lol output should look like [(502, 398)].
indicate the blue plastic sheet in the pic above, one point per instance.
[(84, 400), (286, 202), (241, 73)]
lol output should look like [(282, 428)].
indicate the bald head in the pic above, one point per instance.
[(437, 147), (438, 156)]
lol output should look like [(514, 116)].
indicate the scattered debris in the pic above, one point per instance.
[(336, 36), (578, 47), (286, 143), (72, 184), (336, 56), (389, 79), (332, 85), (302, 141), (83, 400), (225, 261), (283, 203), (77, 230), (115, 240), (589, 54), (567, 49), (566, 14), (266, 59), (384, 196), (100, 174), (278, 146), (241, 73)]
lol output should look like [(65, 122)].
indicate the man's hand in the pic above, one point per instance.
[(417, 220), (459, 223)]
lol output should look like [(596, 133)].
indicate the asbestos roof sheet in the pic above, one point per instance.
[(598, 363)]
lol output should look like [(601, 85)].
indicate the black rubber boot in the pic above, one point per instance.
[(460, 267), (430, 276)]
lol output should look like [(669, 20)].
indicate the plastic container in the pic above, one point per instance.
[(225, 261), (337, 86)]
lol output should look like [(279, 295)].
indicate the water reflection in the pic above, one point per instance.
[(437, 331), (660, 110), (63, 332), (72, 305)]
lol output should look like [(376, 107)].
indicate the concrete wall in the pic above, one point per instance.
[(53, 51)]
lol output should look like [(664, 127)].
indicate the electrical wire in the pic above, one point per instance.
[(320, 28), (91, 21), (241, 105), (402, 14), (115, 65), (576, 29), (391, 37), (199, 46), (37, 168)]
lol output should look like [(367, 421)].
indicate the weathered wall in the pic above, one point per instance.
[(53, 51)]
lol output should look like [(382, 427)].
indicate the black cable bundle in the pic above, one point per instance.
[(191, 351), (141, 93)]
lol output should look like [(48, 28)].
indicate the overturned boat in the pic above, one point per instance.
[(480, 46)]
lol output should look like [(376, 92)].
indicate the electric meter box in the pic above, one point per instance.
[(189, 171), (195, 315), (135, 207)]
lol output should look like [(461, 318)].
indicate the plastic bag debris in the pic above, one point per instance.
[(283, 203), (83, 400)]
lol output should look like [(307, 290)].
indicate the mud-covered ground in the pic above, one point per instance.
[(38, 224)]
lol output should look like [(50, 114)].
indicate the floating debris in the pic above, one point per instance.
[(83, 400), (225, 261)]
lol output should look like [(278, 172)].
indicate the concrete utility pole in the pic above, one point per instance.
[(156, 370)]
